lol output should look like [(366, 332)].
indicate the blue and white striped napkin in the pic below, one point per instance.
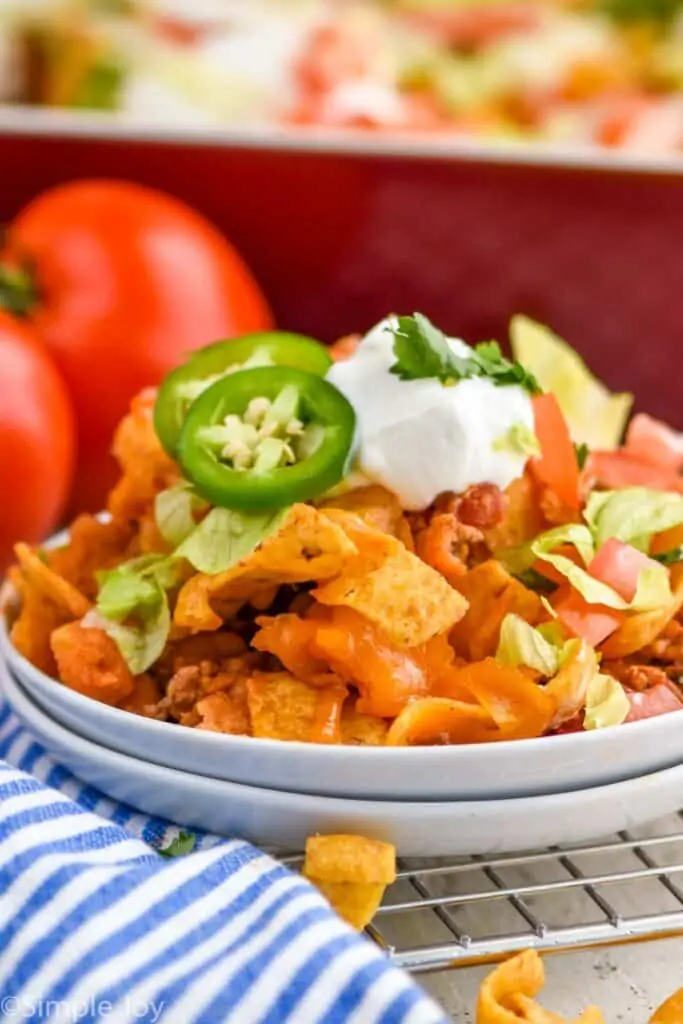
[(96, 926)]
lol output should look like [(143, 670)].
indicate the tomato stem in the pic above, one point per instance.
[(18, 294)]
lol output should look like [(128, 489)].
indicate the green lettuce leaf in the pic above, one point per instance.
[(519, 440), (576, 534), (225, 536), (519, 560), (124, 593), (174, 511), (521, 644), (132, 607), (142, 644), (552, 631), (632, 514), (606, 703), (132, 588), (653, 590)]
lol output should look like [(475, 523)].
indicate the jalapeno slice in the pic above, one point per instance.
[(266, 348), (264, 438)]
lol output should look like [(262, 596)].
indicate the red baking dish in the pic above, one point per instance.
[(341, 229)]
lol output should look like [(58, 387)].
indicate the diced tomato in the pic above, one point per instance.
[(640, 122), (619, 565), (658, 700), (616, 120), (557, 466), (593, 622), (181, 32), (653, 441), (476, 24), (624, 469)]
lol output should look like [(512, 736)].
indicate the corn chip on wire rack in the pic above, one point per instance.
[(448, 914)]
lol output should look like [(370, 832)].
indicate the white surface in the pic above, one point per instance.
[(429, 146), (526, 767), (280, 819)]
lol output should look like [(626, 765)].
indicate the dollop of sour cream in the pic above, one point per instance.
[(419, 438)]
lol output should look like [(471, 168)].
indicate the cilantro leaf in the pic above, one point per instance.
[(502, 371), (179, 846), (582, 452), (422, 352), (641, 10), (534, 580), (670, 557)]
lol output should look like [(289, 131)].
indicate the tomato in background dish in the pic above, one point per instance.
[(36, 439), (120, 282), (473, 24)]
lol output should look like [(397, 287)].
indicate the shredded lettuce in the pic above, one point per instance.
[(551, 631), (576, 534), (143, 644), (174, 511), (132, 607), (632, 514), (132, 587), (519, 440), (519, 560), (521, 644), (653, 589), (225, 536), (606, 703), (595, 416)]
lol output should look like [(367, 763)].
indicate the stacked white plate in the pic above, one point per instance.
[(428, 801)]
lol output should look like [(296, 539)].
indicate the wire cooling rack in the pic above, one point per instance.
[(443, 914)]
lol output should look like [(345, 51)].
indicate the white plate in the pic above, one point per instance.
[(273, 818), (491, 771)]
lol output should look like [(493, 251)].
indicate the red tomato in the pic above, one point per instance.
[(652, 441), (128, 281), (36, 439), (593, 622), (622, 468), (658, 700), (619, 566), (557, 467), (476, 24)]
